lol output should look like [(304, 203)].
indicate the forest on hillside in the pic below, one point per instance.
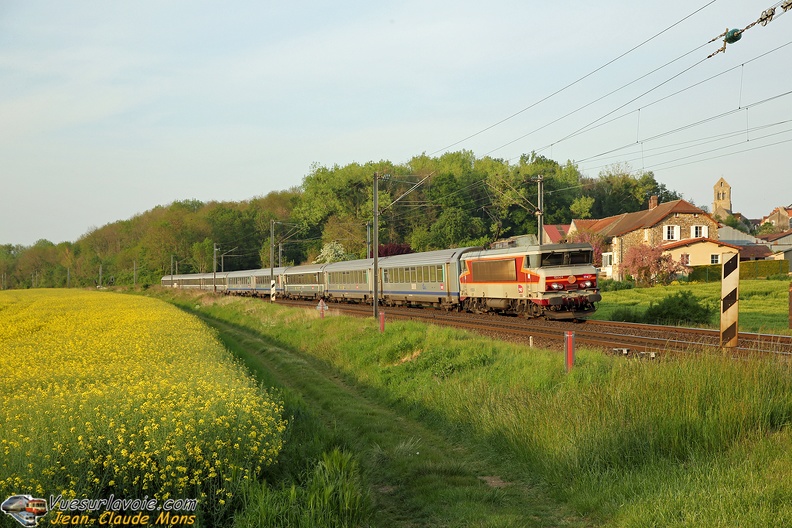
[(427, 203)]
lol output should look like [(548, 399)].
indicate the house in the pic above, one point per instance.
[(781, 217), (780, 244), (783, 253), (554, 233), (660, 224), (775, 239), (700, 251)]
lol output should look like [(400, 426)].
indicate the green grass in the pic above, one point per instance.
[(690, 441), (764, 304)]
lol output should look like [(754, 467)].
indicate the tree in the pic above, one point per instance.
[(616, 191), (581, 207), (331, 252), (203, 255), (649, 266), (768, 228), (732, 221), (455, 227)]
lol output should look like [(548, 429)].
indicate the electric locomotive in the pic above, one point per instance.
[(556, 281)]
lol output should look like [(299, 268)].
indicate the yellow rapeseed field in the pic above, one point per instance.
[(106, 393)]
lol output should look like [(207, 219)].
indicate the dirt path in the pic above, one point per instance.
[(418, 477)]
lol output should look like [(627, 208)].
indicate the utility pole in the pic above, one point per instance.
[(134, 273), (214, 268), (272, 260), (100, 275), (172, 269), (375, 235), (540, 208), (375, 244)]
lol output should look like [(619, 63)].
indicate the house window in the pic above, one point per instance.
[(684, 259), (699, 231), (607, 260), (671, 232), (714, 259)]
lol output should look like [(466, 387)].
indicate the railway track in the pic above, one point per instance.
[(621, 338)]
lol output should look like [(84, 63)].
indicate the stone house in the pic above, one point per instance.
[(781, 217), (660, 224)]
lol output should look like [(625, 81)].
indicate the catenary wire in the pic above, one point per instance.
[(573, 83)]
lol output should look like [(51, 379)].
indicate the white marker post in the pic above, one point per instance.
[(730, 282)]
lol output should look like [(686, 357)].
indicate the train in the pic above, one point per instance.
[(553, 281)]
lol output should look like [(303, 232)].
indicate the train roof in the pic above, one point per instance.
[(350, 265), (307, 268), (256, 272), (219, 274), (441, 256), (522, 250)]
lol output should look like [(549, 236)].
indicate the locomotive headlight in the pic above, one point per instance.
[(587, 284), (557, 286)]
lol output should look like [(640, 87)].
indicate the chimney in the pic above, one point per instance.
[(652, 202)]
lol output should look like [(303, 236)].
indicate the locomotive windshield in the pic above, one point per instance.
[(561, 258)]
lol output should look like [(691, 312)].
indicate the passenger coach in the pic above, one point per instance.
[(424, 279)]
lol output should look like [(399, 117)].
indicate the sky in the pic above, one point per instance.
[(108, 109)]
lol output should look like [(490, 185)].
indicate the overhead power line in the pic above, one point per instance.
[(573, 83)]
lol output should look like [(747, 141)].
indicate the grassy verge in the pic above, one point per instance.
[(696, 441), (413, 474), (764, 304)]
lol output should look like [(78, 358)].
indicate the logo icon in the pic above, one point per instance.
[(25, 509)]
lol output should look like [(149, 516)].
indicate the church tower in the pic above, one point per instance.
[(721, 201)]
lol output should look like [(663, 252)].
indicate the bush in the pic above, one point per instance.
[(613, 285), (680, 308)]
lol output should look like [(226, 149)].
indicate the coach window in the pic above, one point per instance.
[(432, 274)]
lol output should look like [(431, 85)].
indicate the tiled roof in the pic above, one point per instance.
[(628, 222), (771, 237), (755, 251), (556, 232), (691, 241)]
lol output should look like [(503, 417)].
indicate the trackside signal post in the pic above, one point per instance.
[(569, 350), (730, 281)]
